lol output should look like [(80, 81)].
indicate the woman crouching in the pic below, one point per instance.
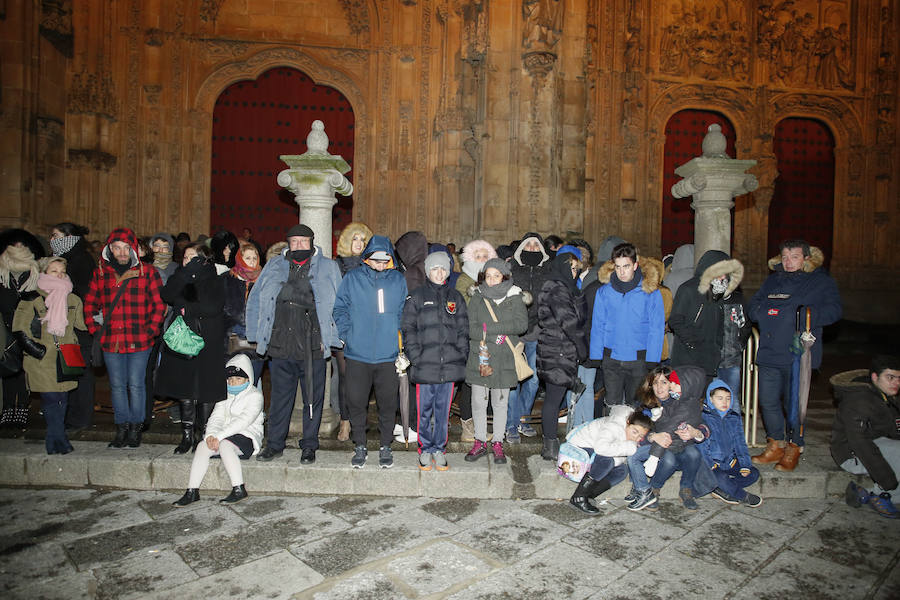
[(234, 432)]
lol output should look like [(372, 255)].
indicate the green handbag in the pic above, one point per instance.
[(181, 339)]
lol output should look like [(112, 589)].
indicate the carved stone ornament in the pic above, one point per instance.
[(218, 49), (209, 9), (357, 12), (542, 28), (56, 25), (92, 158), (90, 93), (709, 41), (538, 64)]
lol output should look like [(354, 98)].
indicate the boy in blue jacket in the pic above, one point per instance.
[(725, 448)]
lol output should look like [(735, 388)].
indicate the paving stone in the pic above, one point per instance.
[(625, 537), (890, 589), (362, 586), (332, 474), (464, 480), (512, 535), (259, 508), (75, 586), (370, 540), (12, 467), (799, 575), (854, 537), (786, 512), (360, 509), (223, 551), (438, 567), (685, 578), (171, 472), (673, 512), (274, 577), (25, 560), (557, 571), (467, 513), (560, 511), (140, 574), (59, 470), (802, 483)]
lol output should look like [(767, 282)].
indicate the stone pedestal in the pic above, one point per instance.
[(314, 177), (713, 180)]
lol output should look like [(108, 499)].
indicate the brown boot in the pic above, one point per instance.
[(772, 454), (468, 430), (343, 431), (788, 462)]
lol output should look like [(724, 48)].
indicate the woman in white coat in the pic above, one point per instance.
[(234, 432)]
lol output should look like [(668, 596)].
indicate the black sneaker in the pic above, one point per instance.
[(267, 454), (359, 457), (385, 457), (687, 498), (856, 495), (308, 456), (724, 496), (631, 496), (645, 499), (751, 500)]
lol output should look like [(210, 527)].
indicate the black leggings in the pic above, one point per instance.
[(554, 396)]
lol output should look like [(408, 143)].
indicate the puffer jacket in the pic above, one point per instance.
[(562, 343), (345, 258), (774, 308), (324, 277), (710, 332), (368, 308), (606, 435), (41, 373), (512, 321), (684, 409), (435, 328), (725, 446), (530, 279), (241, 413), (630, 324)]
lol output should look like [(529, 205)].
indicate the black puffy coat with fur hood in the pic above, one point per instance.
[(562, 342)]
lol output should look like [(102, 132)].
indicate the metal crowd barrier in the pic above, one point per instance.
[(750, 388)]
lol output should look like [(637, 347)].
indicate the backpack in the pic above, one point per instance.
[(573, 462)]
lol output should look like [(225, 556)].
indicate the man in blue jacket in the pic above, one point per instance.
[(627, 326), (798, 282), (367, 312), (289, 317)]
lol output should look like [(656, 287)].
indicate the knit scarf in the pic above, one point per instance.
[(242, 271), (472, 269), (60, 246), (58, 290), (18, 259), (495, 292), (161, 260)]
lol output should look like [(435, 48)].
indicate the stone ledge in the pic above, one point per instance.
[(154, 467)]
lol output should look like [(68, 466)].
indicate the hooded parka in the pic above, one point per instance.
[(562, 342)]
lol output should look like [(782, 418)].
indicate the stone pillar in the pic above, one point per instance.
[(713, 180), (314, 177)]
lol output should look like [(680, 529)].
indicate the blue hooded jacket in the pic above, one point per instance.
[(369, 307), (725, 444)]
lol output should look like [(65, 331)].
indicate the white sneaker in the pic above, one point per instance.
[(398, 429)]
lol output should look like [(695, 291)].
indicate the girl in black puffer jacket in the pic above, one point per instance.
[(435, 330), (562, 343)]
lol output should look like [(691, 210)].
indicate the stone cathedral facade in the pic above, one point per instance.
[(472, 117)]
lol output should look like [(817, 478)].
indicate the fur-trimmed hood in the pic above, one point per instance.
[(352, 228), (715, 263), (651, 273), (468, 251), (815, 260), (276, 249)]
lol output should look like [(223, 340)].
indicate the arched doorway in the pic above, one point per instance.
[(254, 122), (803, 202), (684, 136)]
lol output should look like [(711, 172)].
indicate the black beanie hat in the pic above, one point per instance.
[(300, 230)]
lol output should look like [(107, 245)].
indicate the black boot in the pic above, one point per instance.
[(133, 438), (551, 449), (581, 498), (187, 427), (121, 433), (237, 494), (190, 495), (202, 413)]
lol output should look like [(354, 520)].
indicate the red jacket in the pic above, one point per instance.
[(136, 320)]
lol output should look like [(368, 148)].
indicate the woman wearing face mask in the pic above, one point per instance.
[(42, 323), (197, 294)]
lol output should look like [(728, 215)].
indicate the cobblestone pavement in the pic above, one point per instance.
[(127, 544)]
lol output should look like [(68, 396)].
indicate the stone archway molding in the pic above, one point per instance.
[(250, 68)]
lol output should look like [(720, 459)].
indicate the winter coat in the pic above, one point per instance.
[(411, 249), (435, 328), (241, 413), (137, 318), (562, 343), (465, 285), (710, 332), (654, 270), (324, 277), (345, 258), (79, 267), (530, 279), (725, 445), (606, 436), (631, 325), (369, 307), (774, 308), (681, 269), (198, 294), (41, 374), (685, 409), (864, 414), (512, 321), (236, 292)]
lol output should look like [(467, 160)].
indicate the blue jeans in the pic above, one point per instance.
[(731, 481), (433, 402), (604, 467), (521, 398), (774, 402), (127, 386), (686, 461), (731, 376), (584, 404)]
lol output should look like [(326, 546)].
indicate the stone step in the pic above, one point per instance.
[(526, 476)]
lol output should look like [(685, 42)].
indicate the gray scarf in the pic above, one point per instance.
[(496, 292)]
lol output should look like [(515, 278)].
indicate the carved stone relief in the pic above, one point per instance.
[(92, 93), (357, 12), (50, 139), (209, 9), (219, 49), (56, 25), (543, 24)]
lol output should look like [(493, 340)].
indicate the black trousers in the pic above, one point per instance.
[(622, 379), (80, 411), (361, 377), (554, 396)]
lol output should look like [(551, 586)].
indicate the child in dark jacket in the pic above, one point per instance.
[(435, 328), (725, 449)]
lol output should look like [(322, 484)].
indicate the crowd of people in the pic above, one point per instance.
[(659, 340)]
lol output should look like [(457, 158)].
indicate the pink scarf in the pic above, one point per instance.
[(58, 290)]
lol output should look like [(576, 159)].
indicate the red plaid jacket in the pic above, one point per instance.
[(138, 316)]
